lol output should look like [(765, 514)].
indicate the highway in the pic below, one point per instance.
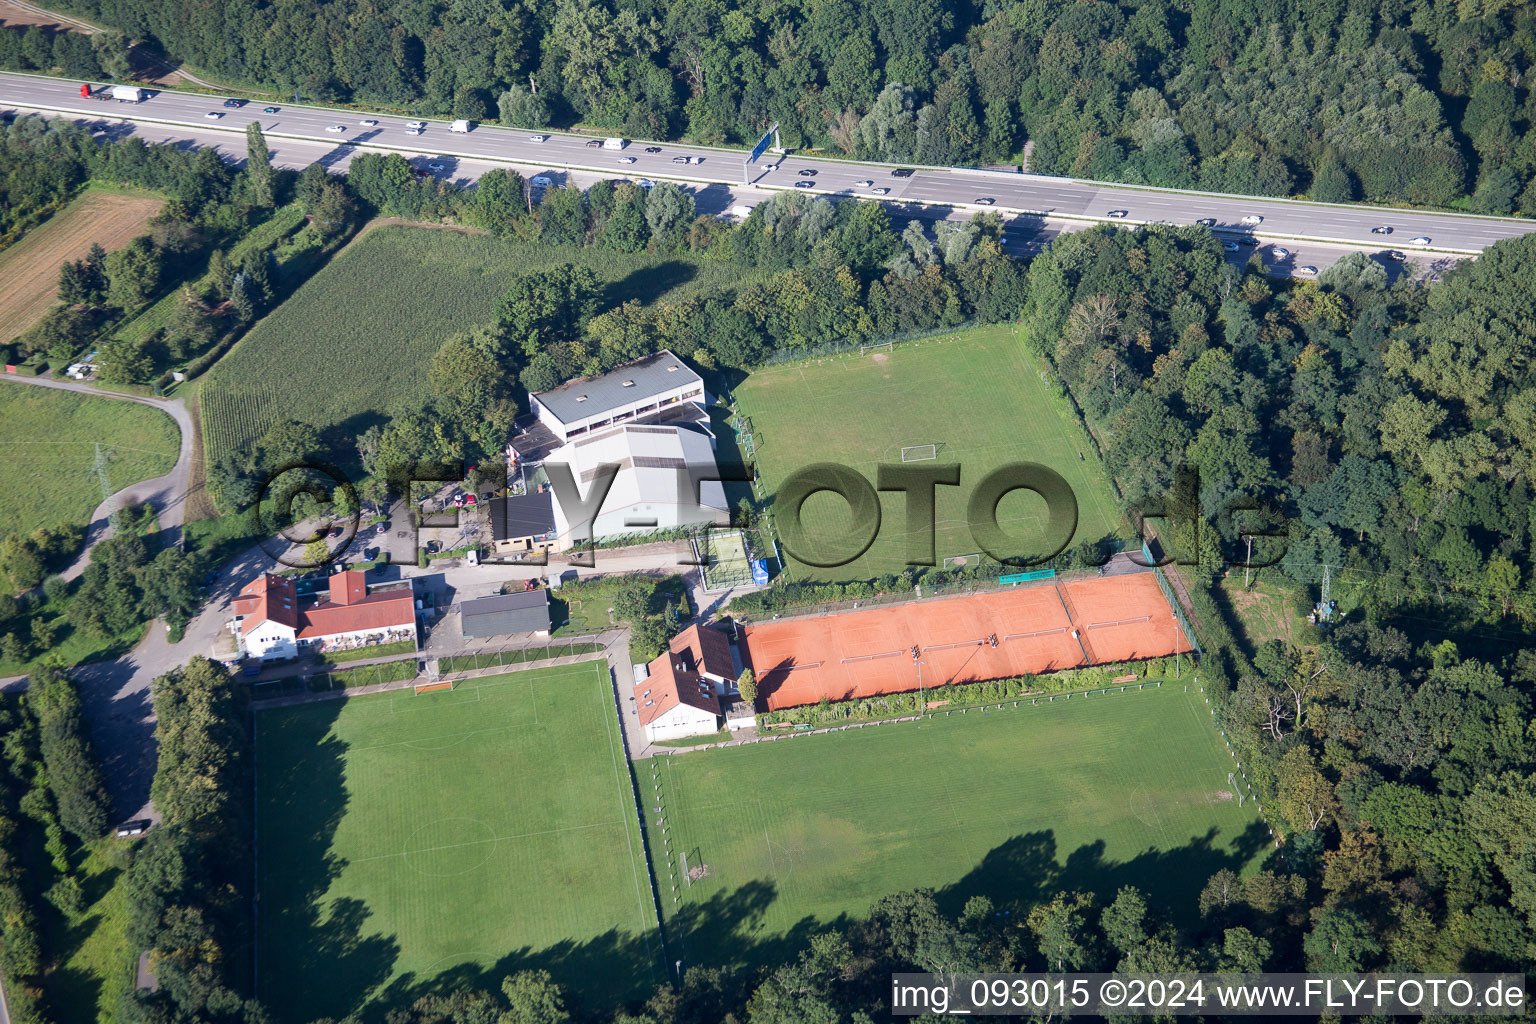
[(1035, 208)]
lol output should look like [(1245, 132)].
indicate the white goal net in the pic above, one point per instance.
[(919, 452)]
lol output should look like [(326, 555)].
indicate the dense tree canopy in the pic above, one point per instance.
[(1414, 100)]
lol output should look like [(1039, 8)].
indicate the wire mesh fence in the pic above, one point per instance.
[(553, 647)]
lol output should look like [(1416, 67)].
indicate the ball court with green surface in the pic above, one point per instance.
[(407, 840), (974, 398), (1087, 793)]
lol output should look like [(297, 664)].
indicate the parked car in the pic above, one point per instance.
[(335, 532), (985, 201), (902, 172), (653, 149), (646, 183), (1229, 246), (1393, 254), (540, 181), (1421, 240), (269, 110), (434, 167), (383, 529), (1280, 254), (1306, 271), (1247, 240), (1119, 214), (1382, 229)]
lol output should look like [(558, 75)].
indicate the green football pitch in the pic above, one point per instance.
[(1087, 794), (408, 841), (976, 395)]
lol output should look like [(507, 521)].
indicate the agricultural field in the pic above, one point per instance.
[(975, 394), (355, 341), (1090, 794), (406, 842), (50, 440), (29, 270)]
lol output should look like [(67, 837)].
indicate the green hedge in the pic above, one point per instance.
[(965, 695), (376, 651)]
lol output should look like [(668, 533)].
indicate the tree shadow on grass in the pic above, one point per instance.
[(648, 283), (314, 954)]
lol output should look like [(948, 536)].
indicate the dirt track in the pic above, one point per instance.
[(29, 270)]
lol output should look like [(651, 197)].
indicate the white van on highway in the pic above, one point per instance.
[(615, 143)]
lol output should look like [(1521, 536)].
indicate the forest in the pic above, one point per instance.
[(1402, 101)]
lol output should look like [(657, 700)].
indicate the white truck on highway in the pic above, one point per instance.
[(460, 126), (127, 94), (615, 143)]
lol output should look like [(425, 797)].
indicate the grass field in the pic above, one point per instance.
[(975, 394), (355, 341), (1088, 794), (29, 270), (48, 442), (409, 841)]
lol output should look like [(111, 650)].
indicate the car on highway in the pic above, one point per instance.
[(1229, 247), (984, 200), (1306, 271), (626, 159), (646, 183), (1382, 229), (594, 143), (1253, 220), (214, 115), (236, 104), (538, 138), (269, 110), (413, 131), (683, 160), (1206, 222), (1280, 254), (336, 129), (653, 149), (806, 172), (804, 184), (880, 191), (415, 124), (866, 183), (1118, 214), (1393, 254), (1421, 240), (434, 167), (903, 172)]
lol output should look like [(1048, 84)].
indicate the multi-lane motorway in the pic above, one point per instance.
[(1314, 233)]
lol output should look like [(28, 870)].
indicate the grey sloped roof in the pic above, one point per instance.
[(526, 612), (654, 375)]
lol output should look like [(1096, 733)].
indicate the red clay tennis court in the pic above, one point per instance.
[(864, 653)]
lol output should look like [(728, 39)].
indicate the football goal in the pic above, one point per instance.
[(1232, 781), (952, 562), (879, 346), (919, 452), (433, 685)]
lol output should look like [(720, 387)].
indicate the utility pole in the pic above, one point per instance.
[(922, 700), (1248, 565)]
